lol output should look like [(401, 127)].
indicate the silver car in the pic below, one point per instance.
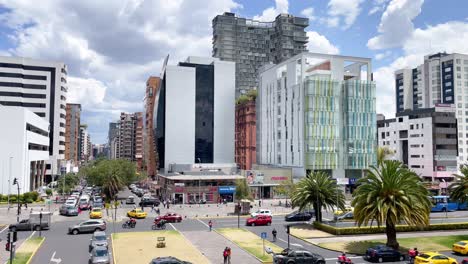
[(68, 210), (99, 255), (99, 239), (88, 226)]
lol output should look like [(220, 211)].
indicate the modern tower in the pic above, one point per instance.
[(72, 133)]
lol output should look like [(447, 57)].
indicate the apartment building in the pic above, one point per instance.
[(425, 140), (246, 133), (129, 138), (72, 133), (85, 147), (251, 44), (152, 86), (316, 112), (441, 79), (41, 87), (113, 139)]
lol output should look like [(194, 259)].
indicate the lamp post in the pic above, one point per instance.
[(15, 181)]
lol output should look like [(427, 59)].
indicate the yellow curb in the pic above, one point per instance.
[(113, 253), (231, 216), (35, 251)]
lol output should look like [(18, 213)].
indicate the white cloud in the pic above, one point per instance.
[(396, 24), (377, 6), (320, 44), (269, 14), (383, 55), (111, 47), (309, 13), (345, 11)]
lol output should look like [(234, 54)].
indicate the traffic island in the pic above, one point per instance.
[(250, 242), (27, 250), (305, 231), (142, 247)]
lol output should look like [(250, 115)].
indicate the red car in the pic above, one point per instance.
[(259, 220), (464, 261), (171, 217)]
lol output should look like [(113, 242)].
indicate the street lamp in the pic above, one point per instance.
[(15, 182), (446, 201)]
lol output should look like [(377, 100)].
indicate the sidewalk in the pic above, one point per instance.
[(383, 236), (212, 244)]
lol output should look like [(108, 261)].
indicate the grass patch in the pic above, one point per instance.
[(250, 242), (27, 250), (306, 231), (434, 243)]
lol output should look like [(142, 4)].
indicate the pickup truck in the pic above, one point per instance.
[(34, 222)]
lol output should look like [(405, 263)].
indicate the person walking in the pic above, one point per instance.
[(210, 225), (225, 255), (228, 255), (152, 208), (274, 234)]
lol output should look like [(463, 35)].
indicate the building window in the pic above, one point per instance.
[(411, 127)]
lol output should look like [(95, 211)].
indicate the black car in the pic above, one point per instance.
[(168, 260), (288, 256), (381, 253), (299, 216), (149, 202)]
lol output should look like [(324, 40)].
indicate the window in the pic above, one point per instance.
[(417, 126), (411, 127), (415, 156), (460, 150)]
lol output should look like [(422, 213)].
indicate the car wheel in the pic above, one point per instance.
[(37, 228), (180, 220), (402, 258), (253, 224), (291, 262), (320, 262), (268, 223), (75, 232), (380, 260)]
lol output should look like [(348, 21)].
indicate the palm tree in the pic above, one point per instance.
[(318, 190), (459, 188), (389, 194), (382, 154)]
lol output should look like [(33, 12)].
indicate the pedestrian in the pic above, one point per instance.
[(274, 234), (229, 255), (26, 205), (152, 208), (259, 203), (157, 211), (167, 205), (225, 255), (210, 225), (79, 210)]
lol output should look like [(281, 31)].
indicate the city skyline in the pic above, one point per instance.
[(108, 68)]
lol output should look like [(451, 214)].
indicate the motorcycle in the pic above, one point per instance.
[(129, 224), (344, 260), (159, 225)]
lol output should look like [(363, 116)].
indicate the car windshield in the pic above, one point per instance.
[(461, 243), (97, 210), (424, 256), (70, 207), (100, 253), (100, 238)]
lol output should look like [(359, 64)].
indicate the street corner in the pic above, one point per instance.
[(148, 245), (28, 249)]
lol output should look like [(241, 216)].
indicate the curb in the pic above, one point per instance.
[(261, 261), (35, 251), (230, 216), (113, 252)]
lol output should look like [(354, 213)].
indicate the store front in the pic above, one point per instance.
[(226, 193), (263, 182)]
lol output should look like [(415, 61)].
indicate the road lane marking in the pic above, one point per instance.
[(1, 231), (203, 223), (173, 226), (55, 260), (292, 244), (31, 234)]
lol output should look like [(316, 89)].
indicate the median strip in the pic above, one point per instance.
[(250, 242), (27, 250)]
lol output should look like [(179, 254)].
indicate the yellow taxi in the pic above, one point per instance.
[(95, 213), (460, 247), (347, 209), (434, 258), (137, 213)]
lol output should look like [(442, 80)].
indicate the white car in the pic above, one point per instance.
[(261, 212), (71, 202)]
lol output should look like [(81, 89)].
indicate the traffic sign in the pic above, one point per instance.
[(264, 235)]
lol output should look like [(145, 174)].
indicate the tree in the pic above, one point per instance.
[(242, 190), (67, 183), (459, 188), (389, 194), (319, 190), (382, 155)]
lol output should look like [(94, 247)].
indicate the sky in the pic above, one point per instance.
[(111, 47)]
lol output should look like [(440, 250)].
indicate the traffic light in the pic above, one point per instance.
[(7, 245), (287, 229), (15, 181), (15, 236)]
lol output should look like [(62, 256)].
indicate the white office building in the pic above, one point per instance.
[(316, 112), (194, 113), (41, 87), (24, 149)]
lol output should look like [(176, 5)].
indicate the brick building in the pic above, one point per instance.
[(152, 85), (72, 132), (246, 134)]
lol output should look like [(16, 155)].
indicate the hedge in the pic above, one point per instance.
[(27, 197), (375, 230)]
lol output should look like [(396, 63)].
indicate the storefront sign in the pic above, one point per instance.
[(342, 181), (180, 184), (226, 189), (179, 189), (279, 178), (352, 181)]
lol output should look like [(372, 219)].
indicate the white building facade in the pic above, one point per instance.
[(24, 152), (316, 112), (41, 87), (194, 113)]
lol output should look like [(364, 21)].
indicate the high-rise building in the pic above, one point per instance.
[(246, 132), (72, 132), (316, 112), (130, 138), (113, 139), (441, 80), (152, 86), (41, 87), (251, 44), (425, 140), (194, 117), (85, 148)]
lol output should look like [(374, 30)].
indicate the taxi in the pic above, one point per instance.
[(346, 209), (95, 213), (434, 258), (460, 247), (137, 213)]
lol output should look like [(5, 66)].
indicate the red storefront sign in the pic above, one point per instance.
[(279, 178), (179, 189)]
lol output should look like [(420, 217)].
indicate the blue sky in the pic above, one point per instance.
[(112, 47)]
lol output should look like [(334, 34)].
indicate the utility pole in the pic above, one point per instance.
[(15, 181), (9, 182)]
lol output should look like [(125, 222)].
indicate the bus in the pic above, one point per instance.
[(442, 203)]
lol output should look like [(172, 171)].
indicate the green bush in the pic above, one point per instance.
[(28, 200), (34, 196), (375, 230), (48, 192), (25, 196)]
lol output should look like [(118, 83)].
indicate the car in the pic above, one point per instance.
[(68, 210), (298, 216), (464, 261), (84, 205), (99, 239), (345, 216), (297, 256), (149, 202), (97, 198), (98, 205), (99, 255), (347, 208), (137, 213), (171, 217), (258, 220), (461, 247), (71, 202), (261, 212), (88, 226), (434, 258), (168, 260), (95, 213), (130, 200), (381, 253)]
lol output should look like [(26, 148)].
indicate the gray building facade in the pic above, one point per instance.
[(113, 139), (252, 44)]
